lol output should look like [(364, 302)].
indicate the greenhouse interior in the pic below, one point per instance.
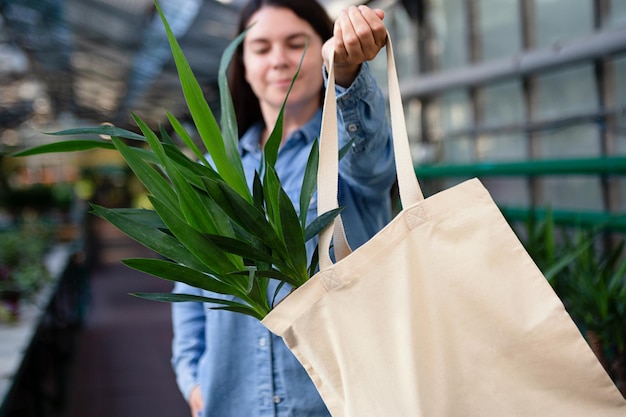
[(528, 96)]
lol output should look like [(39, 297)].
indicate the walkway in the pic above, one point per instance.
[(121, 364)]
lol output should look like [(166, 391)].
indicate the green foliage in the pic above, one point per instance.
[(589, 275), (22, 251), (213, 232)]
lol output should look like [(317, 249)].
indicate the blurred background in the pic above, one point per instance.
[(527, 95)]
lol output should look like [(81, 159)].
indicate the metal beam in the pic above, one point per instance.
[(590, 48), (610, 165)]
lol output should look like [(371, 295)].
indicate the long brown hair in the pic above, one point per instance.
[(246, 103)]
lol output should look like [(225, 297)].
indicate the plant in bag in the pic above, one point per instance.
[(212, 231)]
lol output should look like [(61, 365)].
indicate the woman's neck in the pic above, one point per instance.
[(293, 119)]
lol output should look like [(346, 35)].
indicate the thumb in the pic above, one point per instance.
[(380, 13)]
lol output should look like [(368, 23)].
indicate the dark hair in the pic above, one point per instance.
[(247, 107)]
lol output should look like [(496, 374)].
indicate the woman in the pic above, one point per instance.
[(229, 364)]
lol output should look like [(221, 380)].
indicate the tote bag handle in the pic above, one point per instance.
[(328, 168)]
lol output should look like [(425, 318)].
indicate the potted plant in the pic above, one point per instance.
[(211, 230), (22, 268), (591, 282)]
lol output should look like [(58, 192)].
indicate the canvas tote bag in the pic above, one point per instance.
[(442, 313)]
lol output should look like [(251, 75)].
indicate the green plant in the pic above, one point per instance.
[(594, 291), (590, 280), (212, 231), (22, 251)]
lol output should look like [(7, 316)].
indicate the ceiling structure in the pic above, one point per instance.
[(69, 61)]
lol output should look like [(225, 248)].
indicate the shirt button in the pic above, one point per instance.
[(277, 399), (353, 128), (262, 342)]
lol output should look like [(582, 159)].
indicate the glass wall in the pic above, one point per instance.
[(505, 93)]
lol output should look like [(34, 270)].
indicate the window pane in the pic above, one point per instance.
[(572, 193), (512, 192), (511, 147), (499, 26), (579, 141), (565, 92), (502, 104), (458, 150), (619, 70), (455, 111), (562, 20), (448, 20), (618, 13)]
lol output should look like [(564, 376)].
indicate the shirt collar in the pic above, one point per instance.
[(249, 142)]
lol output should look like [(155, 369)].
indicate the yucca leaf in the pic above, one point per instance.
[(190, 203), (246, 215), (271, 192), (105, 130), (208, 129), (228, 118), (292, 234), (257, 287), (152, 238), (67, 146), (165, 137), (148, 176), (309, 183), (153, 141), (276, 292), (228, 304), (186, 138), (320, 223), (191, 169), (243, 249), (216, 260), (146, 217), (271, 273), (257, 192), (345, 148), (179, 273)]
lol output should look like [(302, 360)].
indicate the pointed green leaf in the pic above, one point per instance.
[(228, 117), (190, 204), (66, 146), (271, 191), (230, 170), (320, 223), (243, 249), (292, 233), (184, 136), (345, 148), (218, 261), (150, 237), (148, 218), (180, 273), (148, 176), (273, 274), (178, 298), (309, 182), (105, 130), (245, 214)]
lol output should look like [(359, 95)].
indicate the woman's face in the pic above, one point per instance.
[(271, 53)]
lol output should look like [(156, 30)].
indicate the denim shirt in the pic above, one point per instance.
[(244, 370)]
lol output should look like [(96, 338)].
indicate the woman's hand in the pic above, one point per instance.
[(196, 403), (359, 34)]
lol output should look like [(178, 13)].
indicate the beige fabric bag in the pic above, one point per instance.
[(442, 313)]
